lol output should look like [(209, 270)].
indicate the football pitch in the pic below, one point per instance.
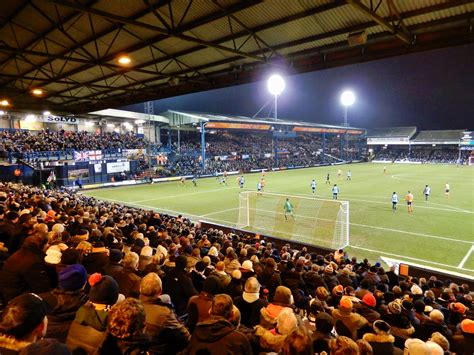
[(439, 234)]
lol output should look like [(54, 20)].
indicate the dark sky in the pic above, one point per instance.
[(431, 90)]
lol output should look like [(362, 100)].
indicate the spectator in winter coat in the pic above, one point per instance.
[(65, 300), (168, 334), (26, 271), (351, 320), (250, 303), (381, 340), (127, 278), (217, 335), (179, 286), (199, 305)]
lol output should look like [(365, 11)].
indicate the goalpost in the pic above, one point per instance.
[(316, 221)]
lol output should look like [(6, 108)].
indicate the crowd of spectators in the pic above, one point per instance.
[(423, 155), (87, 276), (245, 151), (23, 141)]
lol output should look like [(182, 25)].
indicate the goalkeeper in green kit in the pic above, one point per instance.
[(288, 208)]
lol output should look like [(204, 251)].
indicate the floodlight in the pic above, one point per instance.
[(37, 92), (124, 60), (347, 98), (46, 113), (276, 84), (4, 103)]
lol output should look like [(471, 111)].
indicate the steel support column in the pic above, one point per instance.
[(203, 144)]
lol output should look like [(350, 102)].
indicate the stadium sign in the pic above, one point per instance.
[(59, 119)]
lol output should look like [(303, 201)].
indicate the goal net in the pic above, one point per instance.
[(314, 221)]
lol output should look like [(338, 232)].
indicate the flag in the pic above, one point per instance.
[(95, 155), (81, 156)]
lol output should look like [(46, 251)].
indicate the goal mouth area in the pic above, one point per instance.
[(314, 221)]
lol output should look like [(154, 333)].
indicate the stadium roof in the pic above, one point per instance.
[(391, 132), (442, 136), (68, 50), (185, 117)]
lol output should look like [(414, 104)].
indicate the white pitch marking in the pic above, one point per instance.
[(182, 195), (466, 257), (408, 257)]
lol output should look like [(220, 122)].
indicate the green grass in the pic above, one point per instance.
[(438, 234)]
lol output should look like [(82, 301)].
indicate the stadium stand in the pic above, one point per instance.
[(191, 287)]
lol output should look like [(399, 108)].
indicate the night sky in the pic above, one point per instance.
[(430, 90)]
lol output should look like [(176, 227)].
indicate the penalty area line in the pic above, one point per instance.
[(466, 257), (409, 257)]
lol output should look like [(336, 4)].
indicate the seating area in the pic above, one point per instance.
[(23, 141), (114, 279), (423, 154)]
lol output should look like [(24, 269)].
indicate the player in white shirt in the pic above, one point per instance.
[(426, 192), (259, 187), (313, 186), (446, 190), (394, 202), (349, 175), (335, 191), (242, 182)]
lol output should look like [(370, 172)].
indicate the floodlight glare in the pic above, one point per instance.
[(46, 113), (347, 98), (276, 84)]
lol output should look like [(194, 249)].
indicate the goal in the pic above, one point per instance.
[(316, 221)]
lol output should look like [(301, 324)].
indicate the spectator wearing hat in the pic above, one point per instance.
[(193, 258), (217, 335), (88, 330), (381, 340), (231, 261), (22, 322), (270, 277), (323, 332), (344, 278), (273, 340), (463, 341), (168, 334), (234, 288), (250, 303), (457, 312), (97, 259), (283, 299), (199, 305), (366, 308), (127, 278), (247, 270), (441, 340), (336, 295), (435, 323), (114, 266), (26, 271), (415, 346), (330, 277), (126, 329), (419, 307), (399, 323), (353, 321), (179, 286), (65, 300)]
